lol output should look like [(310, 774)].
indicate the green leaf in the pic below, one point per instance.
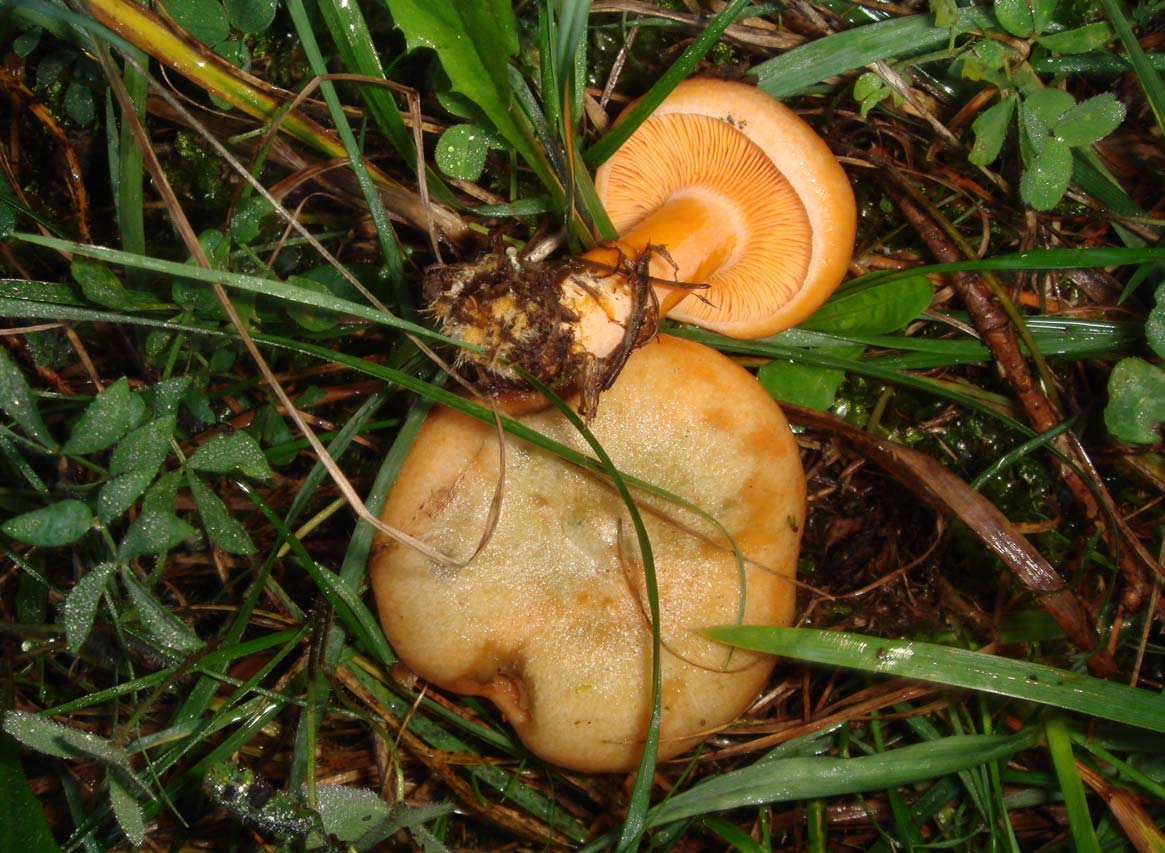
[(24, 828), (119, 494), (875, 310), (17, 402), (362, 818), (946, 12), (103, 423), (990, 130), (474, 43), (1045, 181), (1090, 120), (52, 526), (1046, 106), (1155, 326), (145, 448), (127, 809), (461, 151), (100, 284), (812, 387), (1136, 401), (1015, 16), (224, 531), (1079, 40), (205, 20), (235, 451), (79, 104), (251, 16), (1043, 13), (247, 220), (62, 741), (164, 397), (81, 604), (153, 532), (163, 495), (308, 316), (1092, 697), (163, 626)]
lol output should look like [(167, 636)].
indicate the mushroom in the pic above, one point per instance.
[(739, 194), (550, 620), (722, 187)]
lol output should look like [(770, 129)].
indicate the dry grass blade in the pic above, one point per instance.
[(947, 493)]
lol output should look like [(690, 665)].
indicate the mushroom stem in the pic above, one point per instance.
[(693, 235)]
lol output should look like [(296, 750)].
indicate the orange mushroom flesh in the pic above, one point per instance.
[(550, 620), (743, 196)]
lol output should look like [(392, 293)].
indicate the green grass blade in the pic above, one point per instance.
[(1072, 787), (390, 249), (789, 779), (1147, 75), (958, 668), (798, 69), (350, 33)]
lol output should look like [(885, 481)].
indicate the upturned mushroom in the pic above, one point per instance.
[(721, 187), (728, 203), (550, 620)]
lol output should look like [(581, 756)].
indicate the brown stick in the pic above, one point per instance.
[(947, 493), (999, 335)]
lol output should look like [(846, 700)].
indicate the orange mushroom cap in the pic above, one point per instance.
[(744, 196)]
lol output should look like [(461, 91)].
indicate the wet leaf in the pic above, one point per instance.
[(163, 626), (362, 818), (461, 152), (61, 741), (79, 104), (100, 285), (1015, 16), (956, 667), (1136, 401), (247, 220), (104, 421), (474, 43), (990, 130), (52, 526), (1045, 181), (127, 809), (146, 447), (1046, 106), (163, 495), (251, 16), (153, 532), (1079, 40), (1091, 120), (235, 451), (876, 310), (205, 20), (164, 397), (119, 494), (17, 402), (308, 316), (224, 531), (1155, 326), (812, 387), (81, 604)]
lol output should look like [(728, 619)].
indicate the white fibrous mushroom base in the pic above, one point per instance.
[(550, 620)]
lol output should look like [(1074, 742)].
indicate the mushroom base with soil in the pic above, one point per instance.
[(550, 620)]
